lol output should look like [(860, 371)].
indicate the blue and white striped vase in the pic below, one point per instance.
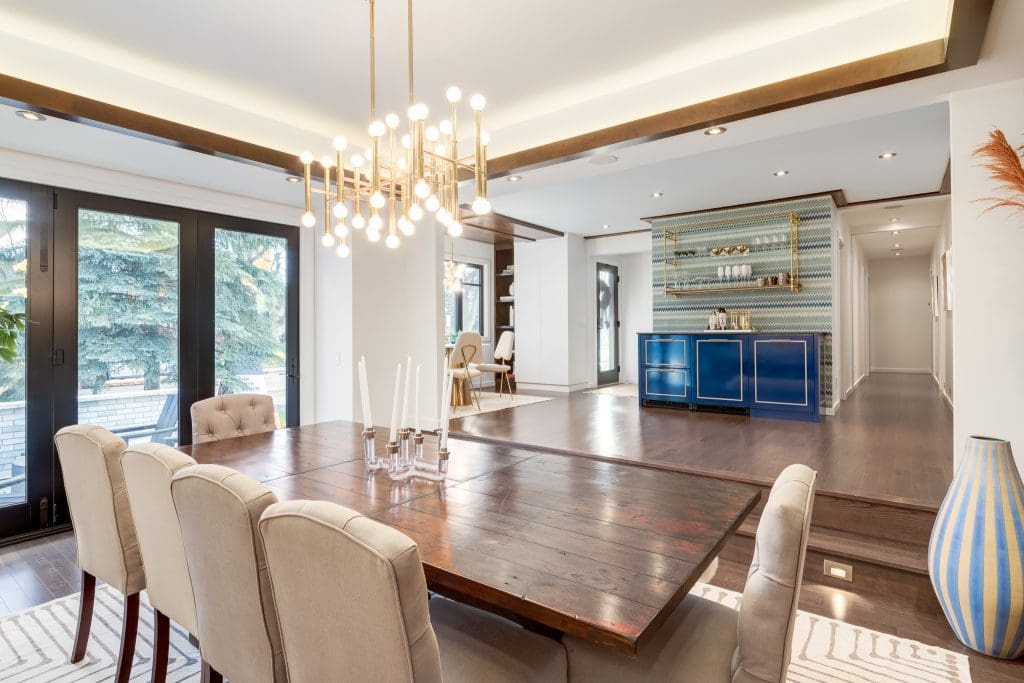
[(976, 551)]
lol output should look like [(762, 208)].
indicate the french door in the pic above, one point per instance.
[(136, 310), (607, 324)]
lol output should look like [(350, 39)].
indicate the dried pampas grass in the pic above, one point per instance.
[(1004, 167)]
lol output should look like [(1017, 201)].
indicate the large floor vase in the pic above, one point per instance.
[(976, 550)]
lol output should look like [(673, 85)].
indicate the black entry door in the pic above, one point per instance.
[(607, 324)]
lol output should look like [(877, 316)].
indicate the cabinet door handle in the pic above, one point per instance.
[(659, 370)]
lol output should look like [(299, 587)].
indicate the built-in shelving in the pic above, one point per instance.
[(504, 303)]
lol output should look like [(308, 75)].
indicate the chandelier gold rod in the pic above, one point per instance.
[(411, 90), (373, 68)]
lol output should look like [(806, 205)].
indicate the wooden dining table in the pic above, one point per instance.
[(562, 544)]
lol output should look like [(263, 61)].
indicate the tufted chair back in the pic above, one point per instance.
[(467, 350), (219, 509), (231, 415), (148, 469), (503, 349), (770, 597), (337, 572), (108, 548)]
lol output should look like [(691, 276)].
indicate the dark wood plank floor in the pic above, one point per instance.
[(892, 440)]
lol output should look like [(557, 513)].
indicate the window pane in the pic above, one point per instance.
[(251, 302), (128, 325), (471, 308), (13, 294), (451, 323), (473, 275)]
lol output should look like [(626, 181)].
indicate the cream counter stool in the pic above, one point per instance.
[(148, 469), (90, 458), (337, 572), (231, 415), (500, 367), (219, 510), (466, 353), (705, 641)]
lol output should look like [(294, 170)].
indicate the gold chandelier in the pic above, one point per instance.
[(420, 170)]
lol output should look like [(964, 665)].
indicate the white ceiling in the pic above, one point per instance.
[(913, 242), (290, 75), (913, 225), (829, 158)]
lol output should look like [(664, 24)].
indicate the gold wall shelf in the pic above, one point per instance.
[(673, 263)]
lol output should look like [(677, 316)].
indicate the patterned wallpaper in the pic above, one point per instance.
[(778, 310)]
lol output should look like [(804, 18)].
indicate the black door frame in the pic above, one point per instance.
[(40, 460), (608, 376)]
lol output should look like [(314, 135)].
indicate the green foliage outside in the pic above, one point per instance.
[(128, 280)]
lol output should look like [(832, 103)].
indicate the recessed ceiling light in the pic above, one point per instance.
[(655, 195), (293, 179), (605, 226), (781, 172), (895, 232), (604, 160), (897, 245), (514, 178), (30, 115), (887, 155), (897, 253), (893, 220), (717, 130)]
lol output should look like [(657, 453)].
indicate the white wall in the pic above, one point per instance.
[(942, 325), (854, 311), (988, 366), (901, 317), (635, 308), (551, 313)]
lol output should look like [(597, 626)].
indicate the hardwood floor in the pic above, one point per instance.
[(892, 440)]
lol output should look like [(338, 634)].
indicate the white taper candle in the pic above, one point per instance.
[(446, 414), (416, 401), (405, 394), (393, 434), (364, 394)]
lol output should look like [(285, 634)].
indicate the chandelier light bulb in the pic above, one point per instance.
[(340, 143), (375, 224), (340, 229), (358, 222), (485, 138), (306, 157), (392, 121), (432, 203), (406, 141), (343, 250), (327, 240), (416, 212), (368, 153), (392, 241), (357, 160), (406, 226), (443, 216), (373, 235), (477, 102), (308, 219), (446, 127), (422, 189), (377, 200), (481, 206), (326, 161), (441, 150), (453, 94), (377, 129), (432, 133), (455, 229), (340, 210), (418, 112)]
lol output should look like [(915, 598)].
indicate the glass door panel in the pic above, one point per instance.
[(13, 366), (251, 316), (607, 324), (128, 324)]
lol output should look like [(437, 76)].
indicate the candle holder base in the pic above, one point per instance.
[(434, 471), (405, 446), (373, 463), (397, 471)]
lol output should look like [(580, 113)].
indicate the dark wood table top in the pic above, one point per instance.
[(604, 551)]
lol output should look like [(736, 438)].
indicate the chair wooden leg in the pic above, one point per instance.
[(87, 599), (129, 632), (161, 646), (210, 674)]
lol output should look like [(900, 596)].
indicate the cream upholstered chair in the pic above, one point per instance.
[(337, 572), (219, 510), (231, 415), (148, 469), (467, 353), (90, 458), (500, 367), (705, 641)]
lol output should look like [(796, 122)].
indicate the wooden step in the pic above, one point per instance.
[(836, 543)]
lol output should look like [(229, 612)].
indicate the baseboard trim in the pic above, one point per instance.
[(908, 371), (560, 388)]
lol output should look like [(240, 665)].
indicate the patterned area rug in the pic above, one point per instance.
[(491, 402), (34, 647), (623, 390), (827, 651), (35, 644)]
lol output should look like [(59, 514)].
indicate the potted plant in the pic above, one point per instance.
[(11, 327)]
